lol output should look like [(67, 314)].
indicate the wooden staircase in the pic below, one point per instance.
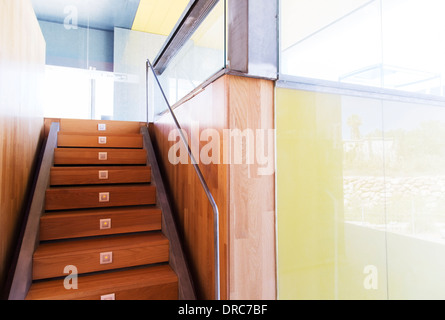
[(102, 217)]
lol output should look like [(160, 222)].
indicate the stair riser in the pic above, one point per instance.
[(152, 283), (94, 157), (92, 126), (99, 141), (80, 198), (88, 176), (86, 225), (86, 262)]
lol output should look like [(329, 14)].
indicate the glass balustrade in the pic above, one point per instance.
[(360, 151)]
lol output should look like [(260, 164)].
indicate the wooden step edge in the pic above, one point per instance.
[(93, 188), (79, 149), (110, 167), (99, 134), (88, 125), (50, 262), (99, 141), (95, 286), (121, 242), (101, 196), (62, 176), (98, 156), (90, 223), (146, 209)]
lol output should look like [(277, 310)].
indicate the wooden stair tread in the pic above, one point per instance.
[(89, 126), (126, 241), (102, 211), (91, 175), (162, 278), (87, 223), (50, 259), (90, 156), (98, 134), (78, 197), (88, 140)]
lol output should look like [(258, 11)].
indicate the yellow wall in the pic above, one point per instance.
[(305, 209), (316, 257), (359, 213)]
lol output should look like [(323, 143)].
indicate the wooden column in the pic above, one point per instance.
[(244, 197)]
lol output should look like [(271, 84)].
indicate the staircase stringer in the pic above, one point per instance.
[(178, 260), (22, 276)]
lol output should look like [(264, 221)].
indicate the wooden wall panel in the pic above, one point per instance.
[(22, 60), (252, 193), (245, 200), (193, 210)]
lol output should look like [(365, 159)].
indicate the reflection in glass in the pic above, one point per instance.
[(344, 38), (201, 57), (131, 50), (415, 170), (395, 44), (324, 246), (360, 197)]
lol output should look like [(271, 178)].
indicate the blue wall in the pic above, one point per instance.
[(78, 48)]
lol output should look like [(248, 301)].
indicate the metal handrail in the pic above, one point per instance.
[(201, 179)]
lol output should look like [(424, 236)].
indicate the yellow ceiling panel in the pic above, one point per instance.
[(158, 16)]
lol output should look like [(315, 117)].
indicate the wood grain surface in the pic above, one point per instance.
[(245, 199), (50, 259), (151, 283), (86, 156), (22, 62), (92, 140), (82, 197), (91, 126), (90, 175), (86, 223)]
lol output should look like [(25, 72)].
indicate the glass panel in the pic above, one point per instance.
[(380, 233), (344, 37), (331, 232), (71, 41), (79, 80), (132, 49), (413, 33), (201, 57), (360, 192), (415, 198), (394, 44), (88, 45), (96, 62), (363, 275)]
